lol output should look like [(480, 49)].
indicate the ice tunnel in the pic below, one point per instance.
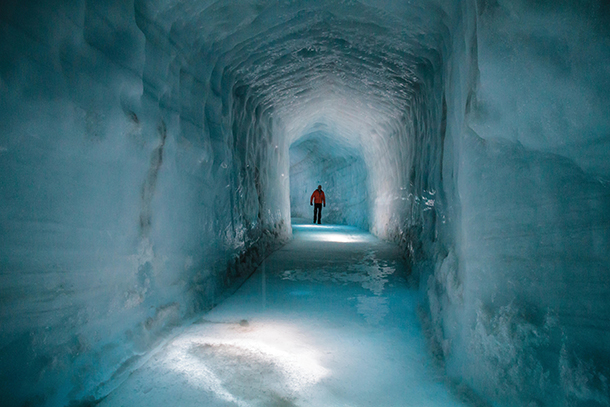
[(151, 152)]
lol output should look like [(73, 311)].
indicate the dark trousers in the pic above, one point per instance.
[(317, 213)]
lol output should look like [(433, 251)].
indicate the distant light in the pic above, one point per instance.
[(313, 227), (331, 233), (337, 237)]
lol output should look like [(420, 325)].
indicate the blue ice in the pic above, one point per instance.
[(328, 320)]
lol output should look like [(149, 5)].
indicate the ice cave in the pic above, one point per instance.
[(157, 159)]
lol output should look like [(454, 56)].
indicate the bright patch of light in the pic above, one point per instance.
[(314, 227), (277, 351), (331, 233), (197, 373), (338, 237)]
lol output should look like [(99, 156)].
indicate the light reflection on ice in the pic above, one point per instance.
[(313, 227), (337, 328), (332, 233), (212, 357), (197, 374), (338, 237)]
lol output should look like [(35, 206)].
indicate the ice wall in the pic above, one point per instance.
[(541, 227), (519, 300), (125, 207)]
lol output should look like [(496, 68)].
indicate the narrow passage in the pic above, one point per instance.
[(328, 320)]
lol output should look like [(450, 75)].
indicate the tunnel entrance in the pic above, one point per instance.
[(318, 158)]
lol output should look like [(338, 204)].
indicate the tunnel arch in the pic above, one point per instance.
[(361, 93), (317, 158)]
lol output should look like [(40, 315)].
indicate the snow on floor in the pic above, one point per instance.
[(328, 320)]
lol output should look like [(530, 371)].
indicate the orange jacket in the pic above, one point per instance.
[(318, 197)]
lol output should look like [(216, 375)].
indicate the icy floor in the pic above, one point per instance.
[(328, 320)]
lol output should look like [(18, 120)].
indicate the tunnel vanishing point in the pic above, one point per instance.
[(152, 152)]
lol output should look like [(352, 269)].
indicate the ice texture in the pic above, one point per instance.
[(527, 325), (152, 152), (330, 333)]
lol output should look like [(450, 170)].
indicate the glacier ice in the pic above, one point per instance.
[(314, 336), (152, 152)]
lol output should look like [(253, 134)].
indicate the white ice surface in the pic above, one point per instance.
[(328, 320)]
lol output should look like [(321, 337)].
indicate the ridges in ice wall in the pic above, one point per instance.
[(260, 184), (119, 211), (535, 239), (518, 310)]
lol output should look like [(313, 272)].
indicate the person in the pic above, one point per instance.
[(318, 199)]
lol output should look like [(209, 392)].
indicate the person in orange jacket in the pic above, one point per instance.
[(318, 199)]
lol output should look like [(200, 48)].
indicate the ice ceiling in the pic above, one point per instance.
[(152, 151), (359, 71)]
